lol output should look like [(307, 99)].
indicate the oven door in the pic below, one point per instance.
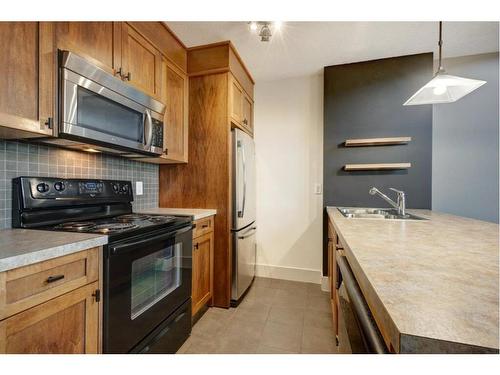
[(145, 281), (92, 113)]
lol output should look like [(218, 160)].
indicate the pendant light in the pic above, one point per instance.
[(443, 88)]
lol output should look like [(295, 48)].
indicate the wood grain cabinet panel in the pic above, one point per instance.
[(95, 41), (64, 325), (141, 62), (26, 79), (176, 94), (28, 286), (247, 119), (202, 288), (236, 102)]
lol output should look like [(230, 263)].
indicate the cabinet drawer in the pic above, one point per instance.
[(203, 226), (25, 287)]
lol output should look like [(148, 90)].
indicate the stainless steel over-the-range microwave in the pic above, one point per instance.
[(98, 111)]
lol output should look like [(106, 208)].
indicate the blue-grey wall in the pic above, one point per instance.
[(365, 100), (465, 155)]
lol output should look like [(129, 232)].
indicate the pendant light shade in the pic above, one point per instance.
[(443, 88)]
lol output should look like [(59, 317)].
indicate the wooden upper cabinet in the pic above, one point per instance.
[(247, 117), (98, 42), (235, 100), (176, 94), (141, 62), (68, 324), (27, 87)]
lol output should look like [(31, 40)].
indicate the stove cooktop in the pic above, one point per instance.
[(120, 224)]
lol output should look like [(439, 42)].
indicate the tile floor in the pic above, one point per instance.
[(276, 317)]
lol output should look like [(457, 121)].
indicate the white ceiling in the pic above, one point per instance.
[(302, 48)]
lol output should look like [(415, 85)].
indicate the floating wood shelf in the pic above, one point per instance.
[(375, 167), (376, 141)]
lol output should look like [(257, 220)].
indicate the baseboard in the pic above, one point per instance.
[(289, 273)]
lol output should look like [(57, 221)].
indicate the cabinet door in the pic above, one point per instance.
[(236, 100), (95, 41), (27, 74), (141, 62), (64, 325), (247, 118), (176, 93), (203, 248)]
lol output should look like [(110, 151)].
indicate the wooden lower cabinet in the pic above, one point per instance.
[(68, 324), (52, 306), (203, 258)]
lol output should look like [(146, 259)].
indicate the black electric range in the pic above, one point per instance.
[(147, 261)]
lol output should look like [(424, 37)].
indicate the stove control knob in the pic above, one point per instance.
[(59, 186), (125, 188), (115, 188), (42, 187)]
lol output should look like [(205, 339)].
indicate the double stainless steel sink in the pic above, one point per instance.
[(376, 213)]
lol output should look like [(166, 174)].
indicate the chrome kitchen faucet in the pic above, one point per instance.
[(400, 204)]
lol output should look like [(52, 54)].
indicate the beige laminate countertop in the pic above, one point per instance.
[(195, 213), (433, 285), (21, 247)]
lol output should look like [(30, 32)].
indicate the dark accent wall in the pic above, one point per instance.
[(365, 100)]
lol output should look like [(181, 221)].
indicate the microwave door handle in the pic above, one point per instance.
[(148, 129), (242, 212)]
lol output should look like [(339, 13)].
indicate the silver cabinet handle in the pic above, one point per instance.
[(148, 129), (242, 212)]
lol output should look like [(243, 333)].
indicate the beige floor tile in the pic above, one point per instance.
[(244, 328), (318, 319), (319, 303), (291, 286), (315, 290), (263, 349), (287, 315), (285, 298), (254, 314), (220, 313), (282, 336), (261, 294), (183, 349), (237, 345), (204, 345), (208, 327), (318, 340)]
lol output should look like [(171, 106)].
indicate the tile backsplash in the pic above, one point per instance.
[(29, 159)]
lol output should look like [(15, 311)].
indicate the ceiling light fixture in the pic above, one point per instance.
[(266, 28), (443, 88)]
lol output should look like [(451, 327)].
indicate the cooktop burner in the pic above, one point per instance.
[(77, 226), (113, 227), (132, 217)]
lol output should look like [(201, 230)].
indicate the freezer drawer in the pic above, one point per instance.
[(244, 258)]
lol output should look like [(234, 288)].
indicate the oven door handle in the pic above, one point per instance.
[(122, 248), (364, 317)]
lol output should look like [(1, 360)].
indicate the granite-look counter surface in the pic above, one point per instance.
[(195, 213), (432, 285), (21, 247)]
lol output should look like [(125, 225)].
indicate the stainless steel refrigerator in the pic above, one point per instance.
[(244, 225)]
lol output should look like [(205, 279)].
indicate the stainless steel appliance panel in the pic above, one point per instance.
[(99, 109), (244, 261), (244, 180)]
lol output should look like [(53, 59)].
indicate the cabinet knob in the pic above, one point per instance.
[(127, 77), (119, 73), (196, 246), (245, 121)]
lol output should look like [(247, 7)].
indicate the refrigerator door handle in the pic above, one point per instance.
[(241, 212), (247, 234)]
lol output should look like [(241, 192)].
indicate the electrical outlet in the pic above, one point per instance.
[(138, 188), (318, 189)]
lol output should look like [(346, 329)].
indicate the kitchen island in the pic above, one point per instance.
[(432, 285)]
